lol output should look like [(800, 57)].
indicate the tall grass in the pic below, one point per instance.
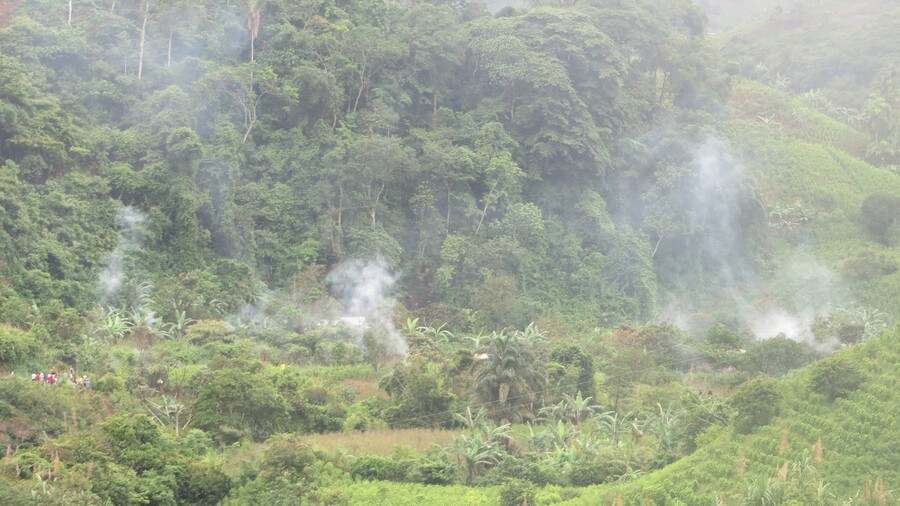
[(381, 441)]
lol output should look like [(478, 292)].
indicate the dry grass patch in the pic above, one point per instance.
[(364, 389), (381, 441), (242, 457)]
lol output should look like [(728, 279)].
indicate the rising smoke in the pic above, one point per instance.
[(363, 288), (722, 208), (131, 237)]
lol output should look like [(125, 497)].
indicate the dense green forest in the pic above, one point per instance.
[(331, 252)]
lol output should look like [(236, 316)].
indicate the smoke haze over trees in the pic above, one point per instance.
[(569, 232)]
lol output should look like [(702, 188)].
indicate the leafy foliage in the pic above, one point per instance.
[(755, 404), (835, 377)]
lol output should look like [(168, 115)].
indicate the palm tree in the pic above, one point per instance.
[(475, 422), (473, 453), (507, 375), (579, 408), (763, 492)]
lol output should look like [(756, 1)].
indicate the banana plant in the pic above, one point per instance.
[(115, 326), (181, 323)]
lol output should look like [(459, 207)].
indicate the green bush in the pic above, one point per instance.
[(373, 467), (206, 331), (755, 404), (517, 493), (436, 470), (509, 467), (867, 266), (109, 383), (880, 214), (15, 310), (776, 356), (203, 485), (836, 376), (586, 473), (16, 345)]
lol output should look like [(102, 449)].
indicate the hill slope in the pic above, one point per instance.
[(859, 452), (860, 441)]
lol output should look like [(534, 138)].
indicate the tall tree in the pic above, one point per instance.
[(146, 16), (245, 85), (507, 378)]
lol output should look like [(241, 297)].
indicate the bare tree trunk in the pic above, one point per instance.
[(657, 246), (143, 33), (70, 13), (481, 221), (340, 216), (362, 86), (250, 123), (112, 8), (253, 27), (169, 53), (449, 193)]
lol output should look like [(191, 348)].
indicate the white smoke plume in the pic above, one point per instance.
[(363, 288), (112, 276), (784, 302)]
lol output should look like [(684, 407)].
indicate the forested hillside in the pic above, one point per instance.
[(273, 252), (458, 147)]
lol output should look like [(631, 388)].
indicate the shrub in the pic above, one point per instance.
[(109, 383), (201, 484), (836, 376), (721, 347), (587, 472), (16, 345), (517, 493), (15, 310), (880, 214), (373, 467), (206, 331), (510, 467), (287, 457), (755, 404), (434, 471), (867, 266), (776, 356)]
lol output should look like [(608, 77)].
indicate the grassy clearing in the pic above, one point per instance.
[(335, 373), (757, 103), (381, 441), (365, 389), (243, 456), (375, 442)]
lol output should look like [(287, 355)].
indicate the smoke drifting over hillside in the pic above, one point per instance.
[(130, 237), (724, 210), (363, 288)]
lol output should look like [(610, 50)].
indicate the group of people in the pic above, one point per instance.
[(52, 378)]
